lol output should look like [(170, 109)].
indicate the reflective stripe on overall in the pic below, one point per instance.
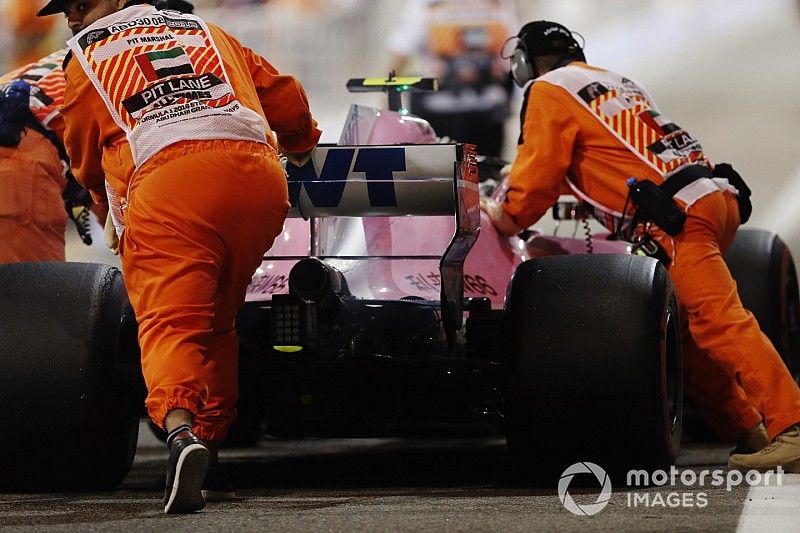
[(734, 374)]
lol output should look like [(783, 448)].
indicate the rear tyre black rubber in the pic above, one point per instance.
[(595, 365), (70, 378), (765, 275)]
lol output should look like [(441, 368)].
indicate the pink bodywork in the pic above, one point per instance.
[(489, 265)]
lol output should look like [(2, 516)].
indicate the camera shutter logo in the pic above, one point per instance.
[(588, 509)]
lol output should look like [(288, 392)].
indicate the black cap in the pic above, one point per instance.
[(542, 37), (53, 7)]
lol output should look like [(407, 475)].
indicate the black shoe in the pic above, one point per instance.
[(217, 487), (187, 467)]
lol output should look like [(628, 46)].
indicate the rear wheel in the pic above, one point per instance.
[(70, 377), (595, 364), (765, 275)]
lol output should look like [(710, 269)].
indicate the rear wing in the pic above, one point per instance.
[(397, 180), (393, 86), (362, 181), (362, 85)]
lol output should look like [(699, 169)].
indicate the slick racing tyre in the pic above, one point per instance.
[(70, 379), (766, 278), (595, 369)]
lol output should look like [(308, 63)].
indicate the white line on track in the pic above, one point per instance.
[(772, 509)]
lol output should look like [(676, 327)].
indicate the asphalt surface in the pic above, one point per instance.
[(397, 485)]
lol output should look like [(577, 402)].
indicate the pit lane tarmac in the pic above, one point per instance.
[(399, 485)]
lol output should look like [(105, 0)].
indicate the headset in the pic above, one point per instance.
[(523, 66), (522, 69)]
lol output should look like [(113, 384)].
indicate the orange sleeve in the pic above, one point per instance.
[(83, 113), (543, 159), (283, 100)]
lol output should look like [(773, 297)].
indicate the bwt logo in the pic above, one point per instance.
[(588, 509), (326, 188)]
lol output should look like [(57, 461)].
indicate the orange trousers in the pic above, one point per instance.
[(32, 215), (200, 216), (734, 375)]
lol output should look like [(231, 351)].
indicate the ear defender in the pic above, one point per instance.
[(521, 69), (537, 39)]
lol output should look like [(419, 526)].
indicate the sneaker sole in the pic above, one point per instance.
[(190, 472)]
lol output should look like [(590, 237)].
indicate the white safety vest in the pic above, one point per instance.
[(162, 79), (626, 110)]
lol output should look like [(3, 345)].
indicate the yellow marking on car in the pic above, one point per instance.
[(391, 82)]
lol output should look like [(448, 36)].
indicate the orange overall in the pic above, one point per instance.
[(32, 216), (32, 181), (199, 215), (597, 129)]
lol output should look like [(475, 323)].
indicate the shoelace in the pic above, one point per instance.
[(779, 440), (178, 433), (771, 446)]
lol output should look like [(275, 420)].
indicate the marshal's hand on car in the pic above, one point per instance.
[(501, 220), (300, 159)]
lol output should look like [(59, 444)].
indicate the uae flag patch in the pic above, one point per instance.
[(164, 63)]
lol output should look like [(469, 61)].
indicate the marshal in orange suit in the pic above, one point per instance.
[(32, 174), (593, 129), (181, 126)]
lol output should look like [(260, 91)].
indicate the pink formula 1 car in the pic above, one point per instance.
[(389, 307), (393, 307)]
